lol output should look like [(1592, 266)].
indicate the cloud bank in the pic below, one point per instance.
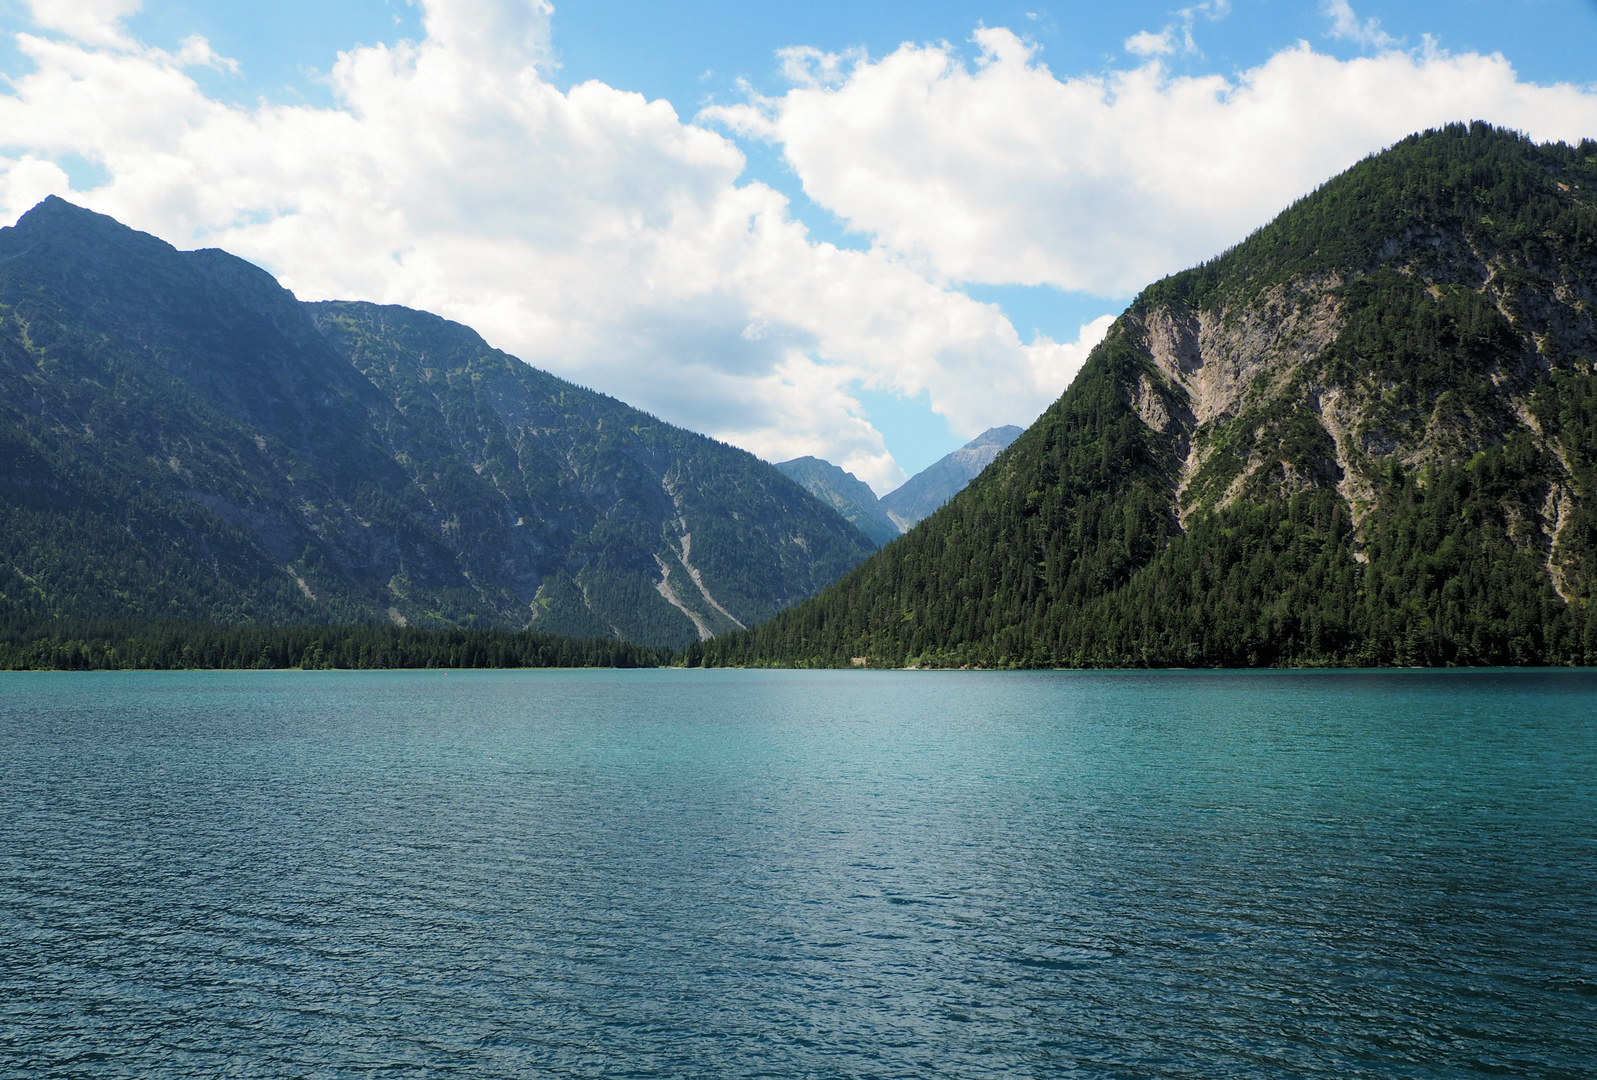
[(598, 235), (1003, 173)]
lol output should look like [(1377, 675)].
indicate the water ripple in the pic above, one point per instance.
[(644, 874)]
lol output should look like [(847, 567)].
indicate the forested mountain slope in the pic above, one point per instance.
[(843, 492), (182, 439), (1368, 434)]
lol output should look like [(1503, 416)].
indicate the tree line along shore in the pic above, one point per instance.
[(134, 646)]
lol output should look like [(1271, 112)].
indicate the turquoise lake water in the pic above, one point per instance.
[(794, 874)]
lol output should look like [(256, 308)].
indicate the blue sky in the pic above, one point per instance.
[(725, 55), (688, 52)]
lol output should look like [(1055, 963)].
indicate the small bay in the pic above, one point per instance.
[(798, 874)]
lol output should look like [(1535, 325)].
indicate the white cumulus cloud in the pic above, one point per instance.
[(1147, 43), (97, 22), (805, 65), (1001, 172), (1345, 26)]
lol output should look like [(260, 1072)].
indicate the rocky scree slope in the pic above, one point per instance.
[(182, 439), (1368, 434)]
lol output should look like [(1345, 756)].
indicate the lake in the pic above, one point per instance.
[(798, 874)]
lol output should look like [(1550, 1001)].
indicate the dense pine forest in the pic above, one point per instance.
[(1365, 436), (141, 646)]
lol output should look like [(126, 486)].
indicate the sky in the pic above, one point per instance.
[(863, 231)]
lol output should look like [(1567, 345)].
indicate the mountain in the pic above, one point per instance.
[(845, 493), (1366, 435), (897, 512), (182, 439), (923, 493)]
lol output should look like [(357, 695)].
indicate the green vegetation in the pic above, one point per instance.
[(132, 646), (844, 492), (1417, 490), (181, 440), (614, 488), (1366, 435)]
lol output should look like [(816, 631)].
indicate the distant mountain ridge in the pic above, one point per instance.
[(921, 495), (845, 493), (183, 439), (897, 512), (1366, 435)]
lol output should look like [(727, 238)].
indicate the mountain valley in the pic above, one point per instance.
[(1365, 435), (899, 510)]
